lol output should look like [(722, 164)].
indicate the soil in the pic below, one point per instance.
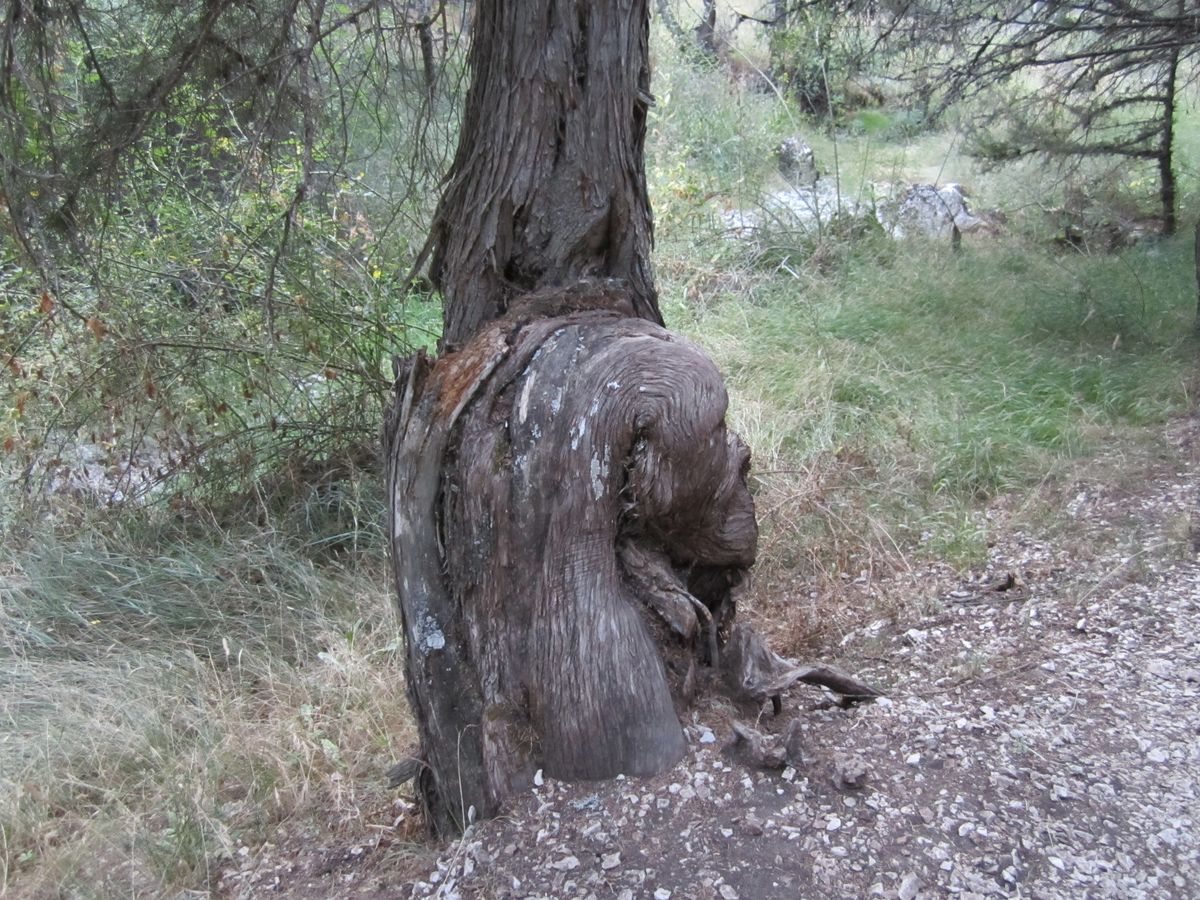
[(1039, 737)]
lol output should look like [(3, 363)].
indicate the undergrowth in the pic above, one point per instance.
[(891, 401), (892, 391), (200, 674), (173, 692)]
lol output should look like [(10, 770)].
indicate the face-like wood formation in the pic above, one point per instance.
[(586, 470)]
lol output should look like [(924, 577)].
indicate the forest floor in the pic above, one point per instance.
[(1040, 737)]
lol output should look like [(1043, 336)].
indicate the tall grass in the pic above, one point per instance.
[(887, 402), (892, 391), (171, 694)]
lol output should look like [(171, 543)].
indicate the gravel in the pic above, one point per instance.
[(1040, 738)]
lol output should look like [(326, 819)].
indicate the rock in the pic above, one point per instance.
[(805, 210), (727, 892), (756, 750), (910, 886), (797, 164), (925, 210), (752, 826), (610, 861), (1082, 231), (850, 771), (566, 864), (1159, 668)]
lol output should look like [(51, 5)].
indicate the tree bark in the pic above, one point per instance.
[(706, 31), (555, 485), (548, 184), (424, 29), (569, 515), (1166, 153)]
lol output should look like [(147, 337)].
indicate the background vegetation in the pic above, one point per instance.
[(197, 650)]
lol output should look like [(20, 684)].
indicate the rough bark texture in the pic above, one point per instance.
[(569, 514), (548, 185), (552, 483), (1166, 153), (706, 31)]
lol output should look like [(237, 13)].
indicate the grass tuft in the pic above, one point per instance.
[(889, 401), (172, 695)]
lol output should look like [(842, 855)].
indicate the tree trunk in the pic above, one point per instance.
[(1166, 153), (424, 30), (569, 515), (706, 31), (548, 184), (565, 498)]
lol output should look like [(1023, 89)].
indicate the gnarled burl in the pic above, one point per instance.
[(569, 515)]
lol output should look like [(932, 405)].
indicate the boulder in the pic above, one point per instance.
[(797, 164), (925, 210), (800, 210)]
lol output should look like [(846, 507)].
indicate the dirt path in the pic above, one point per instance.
[(1040, 741)]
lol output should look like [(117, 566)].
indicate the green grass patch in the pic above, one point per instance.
[(929, 382)]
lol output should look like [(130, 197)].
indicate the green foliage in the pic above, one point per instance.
[(706, 139), (814, 53), (892, 391), (231, 302), (919, 386)]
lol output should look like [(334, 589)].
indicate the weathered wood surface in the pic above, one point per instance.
[(585, 469), (548, 185), (569, 514), (754, 672)]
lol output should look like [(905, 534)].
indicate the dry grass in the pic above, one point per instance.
[(151, 729)]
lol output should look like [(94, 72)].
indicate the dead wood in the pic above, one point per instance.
[(754, 672), (554, 484), (760, 751)]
